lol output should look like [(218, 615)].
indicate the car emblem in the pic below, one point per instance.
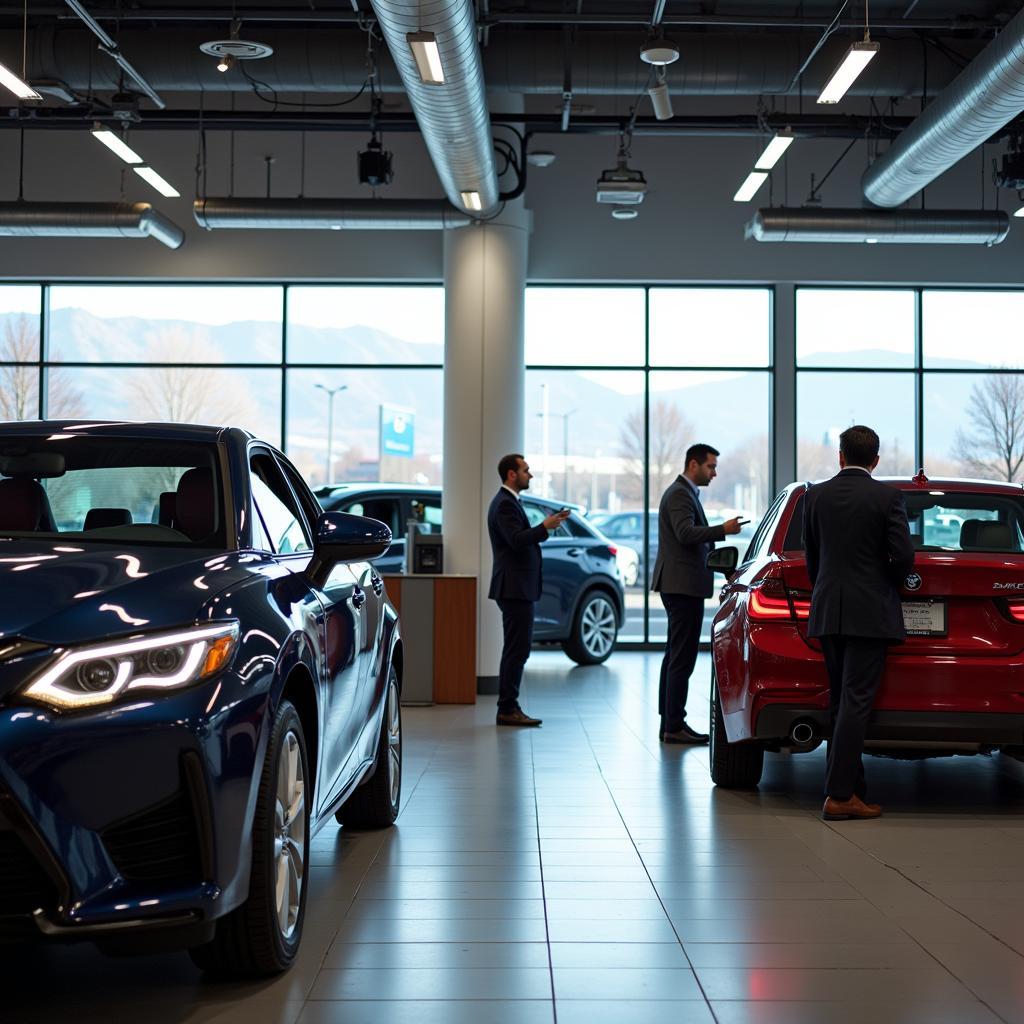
[(913, 582)]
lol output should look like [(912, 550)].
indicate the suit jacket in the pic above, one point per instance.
[(859, 551), (684, 540), (515, 545)]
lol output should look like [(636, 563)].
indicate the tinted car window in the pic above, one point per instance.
[(795, 532), (384, 510), (765, 529), (965, 522), (536, 515), (105, 489), (427, 510), (276, 506)]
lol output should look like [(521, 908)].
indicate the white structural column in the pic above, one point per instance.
[(484, 395)]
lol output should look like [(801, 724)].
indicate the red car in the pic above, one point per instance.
[(955, 686)]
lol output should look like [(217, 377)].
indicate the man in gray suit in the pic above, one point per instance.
[(683, 580)]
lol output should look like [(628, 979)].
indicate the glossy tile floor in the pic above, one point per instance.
[(583, 873)]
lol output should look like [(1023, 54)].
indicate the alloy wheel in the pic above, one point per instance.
[(597, 627), (394, 743), (290, 814)]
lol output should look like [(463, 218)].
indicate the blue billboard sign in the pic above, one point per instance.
[(397, 432)]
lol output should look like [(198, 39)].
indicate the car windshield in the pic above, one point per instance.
[(111, 489), (953, 521)]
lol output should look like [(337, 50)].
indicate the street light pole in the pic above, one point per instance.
[(331, 392)]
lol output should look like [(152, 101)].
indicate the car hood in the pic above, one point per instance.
[(61, 593)]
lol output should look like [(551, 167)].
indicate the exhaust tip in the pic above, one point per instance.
[(802, 732)]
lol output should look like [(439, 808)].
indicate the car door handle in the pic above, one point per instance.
[(574, 552), (358, 597)]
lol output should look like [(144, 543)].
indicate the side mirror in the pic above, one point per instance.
[(724, 560), (341, 537)]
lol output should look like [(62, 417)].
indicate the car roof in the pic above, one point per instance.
[(116, 428), (961, 485)]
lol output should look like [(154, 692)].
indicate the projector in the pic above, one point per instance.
[(1011, 174), (375, 165), (621, 186)]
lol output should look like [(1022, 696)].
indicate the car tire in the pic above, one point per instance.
[(595, 628), (375, 804), (261, 937), (733, 765)]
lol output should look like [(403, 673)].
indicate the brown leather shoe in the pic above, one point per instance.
[(844, 810), (683, 735), (516, 717)]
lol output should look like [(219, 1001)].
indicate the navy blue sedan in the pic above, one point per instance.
[(198, 670)]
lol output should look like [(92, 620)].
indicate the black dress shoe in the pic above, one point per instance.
[(515, 717), (684, 734)]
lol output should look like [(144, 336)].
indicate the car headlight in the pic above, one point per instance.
[(86, 677)]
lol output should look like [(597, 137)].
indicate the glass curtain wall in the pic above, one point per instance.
[(620, 382), (347, 379), (939, 373)]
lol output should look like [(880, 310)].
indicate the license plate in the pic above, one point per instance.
[(924, 618)]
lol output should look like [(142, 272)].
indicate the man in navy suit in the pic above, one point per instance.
[(859, 552), (515, 580)]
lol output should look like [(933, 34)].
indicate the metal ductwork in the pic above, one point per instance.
[(920, 227), (983, 98), (603, 63), (453, 116), (329, 214), (88, 220)]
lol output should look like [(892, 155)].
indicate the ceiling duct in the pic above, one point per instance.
[(921, 227), (329, 214), (983, 98), (516, 61), (88, 220), (452, 116)]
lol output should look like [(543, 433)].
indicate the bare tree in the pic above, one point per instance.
[(186, 392), (670, 434), (19, 383), (993, 445)]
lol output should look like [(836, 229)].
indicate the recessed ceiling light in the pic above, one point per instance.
[(427, 56), (540, 158)]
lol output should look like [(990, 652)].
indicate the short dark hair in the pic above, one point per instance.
[(509, 464), (699, 453), (859, 445)]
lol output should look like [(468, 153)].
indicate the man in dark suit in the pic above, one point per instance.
[(859, 551), (684, 581), (515, 580)]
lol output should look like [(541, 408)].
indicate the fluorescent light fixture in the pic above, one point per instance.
[(20, 88), (747, 191), (471, 200), (1019, 213), (857, 58), (116, 146), (154, 179), (773, 151), (427, 57)]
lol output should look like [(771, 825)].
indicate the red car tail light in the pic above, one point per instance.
[(801, 603), (772, 600), (1016, 610), (612, 550), (769, 600)]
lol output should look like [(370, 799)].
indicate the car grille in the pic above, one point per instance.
[(159, 844), (24, 885)]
